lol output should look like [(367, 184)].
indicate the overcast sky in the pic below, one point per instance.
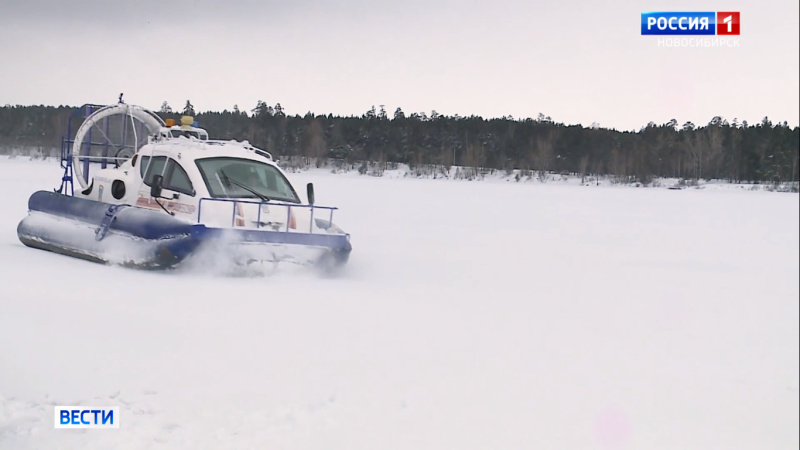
[(576, 61)]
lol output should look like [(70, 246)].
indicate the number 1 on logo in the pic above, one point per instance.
[(728, 23)]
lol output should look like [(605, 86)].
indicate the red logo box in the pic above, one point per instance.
[(728, 23)]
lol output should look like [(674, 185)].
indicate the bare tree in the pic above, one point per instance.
[(696, 148), (545, 152), (584, 164), (316, 139), (713, 145)]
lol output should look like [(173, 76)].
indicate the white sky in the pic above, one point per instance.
[(578, 62)]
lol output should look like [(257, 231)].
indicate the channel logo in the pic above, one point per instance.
[(691, 23), (87, 416)]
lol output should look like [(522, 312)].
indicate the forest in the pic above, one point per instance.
[(763, 152)]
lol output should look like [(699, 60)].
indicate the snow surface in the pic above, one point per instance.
[(473, 315)]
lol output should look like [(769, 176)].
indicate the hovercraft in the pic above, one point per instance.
[(152, 193)]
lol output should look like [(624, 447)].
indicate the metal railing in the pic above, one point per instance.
[(261, 204), (66, 146)]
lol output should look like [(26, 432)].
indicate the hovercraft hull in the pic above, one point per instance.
[(151, 239)]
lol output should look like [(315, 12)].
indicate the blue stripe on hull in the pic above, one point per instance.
[(139, 222)]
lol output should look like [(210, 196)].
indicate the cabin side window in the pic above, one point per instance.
[(143, 165), (152, 167), (177, 179)]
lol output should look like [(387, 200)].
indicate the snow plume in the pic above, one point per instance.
[(219, 257), (228, 256)]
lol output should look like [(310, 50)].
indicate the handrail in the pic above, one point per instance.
[(260, 204)]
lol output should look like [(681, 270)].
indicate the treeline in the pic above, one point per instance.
[(739, 152)]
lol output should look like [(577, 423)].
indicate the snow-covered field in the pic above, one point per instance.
[(473, 315)]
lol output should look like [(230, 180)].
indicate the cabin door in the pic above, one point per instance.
[(177, 193)]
